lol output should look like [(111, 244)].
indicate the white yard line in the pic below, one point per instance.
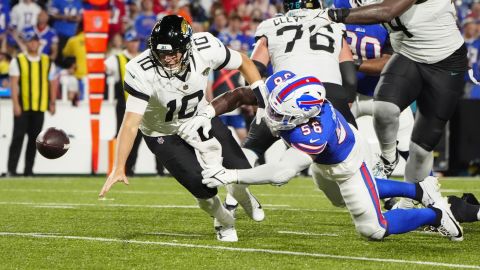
[(175, 234), (55, 206), (272, 207), (246, 250), (307, 233)]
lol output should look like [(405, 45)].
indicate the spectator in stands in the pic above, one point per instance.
[(118, 15), (471, 34), (144, 22), (219, 22), (66, 15), (68, 81), (116, 45), (233, 37), (32, 94), (115, 67), (48, 36), (75, 47), (4, 23), (24, 14)]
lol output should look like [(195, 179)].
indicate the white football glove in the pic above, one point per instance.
[(203, 120), (219, 176), (261, 93), (259, 115), (315, 17)]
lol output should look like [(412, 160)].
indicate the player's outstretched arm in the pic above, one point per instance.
[(224, 103), (382, 12), (278, 173), (126, 136)]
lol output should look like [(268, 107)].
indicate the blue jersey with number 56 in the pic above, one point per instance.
[(367, 42), (327, 136)]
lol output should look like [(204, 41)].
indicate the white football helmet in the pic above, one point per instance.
[(294, 102)]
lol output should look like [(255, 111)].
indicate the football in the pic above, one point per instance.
[(52, 143)]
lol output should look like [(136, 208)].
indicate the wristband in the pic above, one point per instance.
[(257, 90), (338, 14)]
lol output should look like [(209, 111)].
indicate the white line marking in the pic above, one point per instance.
[(175, 234), (55, 206), (101, 204), (276, 205), (249, 250), (307, 233)]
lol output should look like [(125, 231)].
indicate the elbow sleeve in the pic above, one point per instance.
[(349, 79), (262, 69)]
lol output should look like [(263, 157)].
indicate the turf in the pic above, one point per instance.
[(59, 223)]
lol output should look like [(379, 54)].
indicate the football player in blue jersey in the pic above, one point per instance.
[(319, 135)]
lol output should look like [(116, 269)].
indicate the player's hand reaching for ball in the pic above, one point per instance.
[(117, 175)]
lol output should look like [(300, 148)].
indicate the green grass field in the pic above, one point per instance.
[(58, 223)]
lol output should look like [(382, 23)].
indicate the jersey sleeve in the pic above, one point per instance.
[(263, 29), (305, 139), (111, 67), (13, 69), (215, 52), (134, 82)]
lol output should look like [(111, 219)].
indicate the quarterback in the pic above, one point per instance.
[(166, 86)]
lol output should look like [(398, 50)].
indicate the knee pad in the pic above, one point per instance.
[(371, 231)]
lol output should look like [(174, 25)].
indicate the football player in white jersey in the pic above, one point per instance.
[(166, 85), (326, 55), (428, 65)]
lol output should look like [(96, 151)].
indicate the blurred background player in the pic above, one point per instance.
[(166, 86), (33, 94)]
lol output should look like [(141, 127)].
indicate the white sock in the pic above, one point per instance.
[(215, 208), (389, 151)]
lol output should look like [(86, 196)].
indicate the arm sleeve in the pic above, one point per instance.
[(13, 69), (219, 56), (292, 162), (135, 82), (349, 79), (53, 72), (136, 105), (111, 67)]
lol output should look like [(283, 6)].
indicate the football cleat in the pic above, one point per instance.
[(383, 168), (225, 233), (431, 190), (253, 208), (449, 226)]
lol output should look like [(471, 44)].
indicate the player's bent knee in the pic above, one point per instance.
[(385, 112), (371, 231)]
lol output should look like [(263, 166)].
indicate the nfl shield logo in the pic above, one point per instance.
[(97, 22), (160, 140)]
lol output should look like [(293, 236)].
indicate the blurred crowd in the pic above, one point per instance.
[(58, 26)]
